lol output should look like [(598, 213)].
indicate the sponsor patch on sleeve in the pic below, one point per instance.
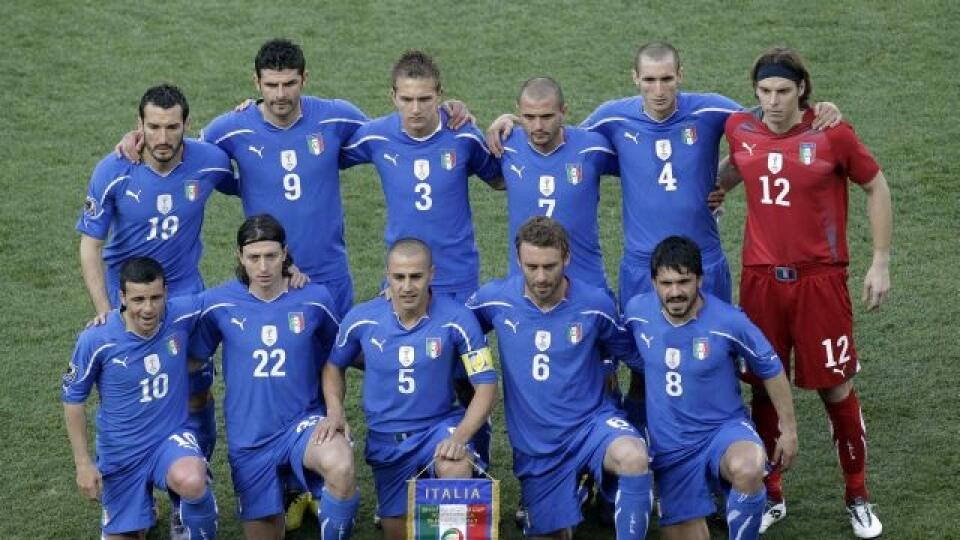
[(477, 361), (90, 206)]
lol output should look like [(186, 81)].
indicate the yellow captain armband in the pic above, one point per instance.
[(477, 361)]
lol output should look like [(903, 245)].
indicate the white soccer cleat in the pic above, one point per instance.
[(865, 523), (177, 530), (776, 510)]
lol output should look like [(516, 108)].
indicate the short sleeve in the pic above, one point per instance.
[(472, 349), (358, 150), (99, 206), (756, 350), (83, 370), (480, 161), (206, 336), (854, 157), (346, 347)]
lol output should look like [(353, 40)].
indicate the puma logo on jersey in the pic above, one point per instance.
[(391, 159), (119, 361), (646, 339), (518, 170), (257, 151), (635, 137), (511, 324), (238, 322), (748, 147), (134, 196), (378, 343)]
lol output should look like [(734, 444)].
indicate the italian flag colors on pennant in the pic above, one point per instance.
[(453, 509)]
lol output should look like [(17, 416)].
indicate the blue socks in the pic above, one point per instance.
[(199, 516), (744, 514), (336, 516), (631, 514)]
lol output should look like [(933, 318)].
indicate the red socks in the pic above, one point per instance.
[(849, 437)]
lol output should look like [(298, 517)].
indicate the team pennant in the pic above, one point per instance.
[(453, 509)]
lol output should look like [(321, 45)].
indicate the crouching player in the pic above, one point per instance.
[(274, 341), (411, 343), (138, 361), (689, 342)]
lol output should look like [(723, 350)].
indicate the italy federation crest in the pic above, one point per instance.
[(191, 190), (574, 173), (151, 363), (775, 162), (173, 346), (421, 169), (448, 159), (288, 160), (689, 135), (664, 149), (808, 153), (406, 356), (575, 333), (672, 358), (315, 143), (547, 185), (268, 334), (434, 347), (164, 203), (542, 340), (701, 348), (296, 321)]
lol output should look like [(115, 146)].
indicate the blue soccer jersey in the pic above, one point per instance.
[(552, 362), (293, 174), (667, 169), (409, 373), (272, 356), (564, 185), (139, 212), (692, 387), (142, 382), (425, 186)]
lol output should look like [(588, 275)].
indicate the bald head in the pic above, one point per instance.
[(410, 248), (656, 51), (541, 89)]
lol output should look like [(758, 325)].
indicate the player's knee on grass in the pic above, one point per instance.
[(188, 477), (695, 529), (626, 455), (333, 460), (742, 466)]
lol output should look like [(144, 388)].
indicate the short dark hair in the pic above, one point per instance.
[(261, 228), (543, 232), (278, 55), (676, 253), (539, 88), (790, 59), (165, 96), (409, 246), (415, 64), (140, 270), (656, 50)]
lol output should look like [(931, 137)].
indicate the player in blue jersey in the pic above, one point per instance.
[(155, 208), (137, 359), (423, 166), (275, 340), (553, 333), (700, 432), (554, 170), (412, 343)]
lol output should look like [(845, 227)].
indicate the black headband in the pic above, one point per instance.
[(772, 69)]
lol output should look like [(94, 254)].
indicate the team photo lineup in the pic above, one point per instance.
[(659, 404)]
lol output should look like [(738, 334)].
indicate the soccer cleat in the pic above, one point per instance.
[(520, 517), (776, 510), (865, 523), (296, 509), (177, 530)]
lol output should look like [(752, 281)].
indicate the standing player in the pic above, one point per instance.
[(689, 342), (274, 341), (411, 344), (794, 282), (553, 334), (155, 208), (424, 166), (138, 361)]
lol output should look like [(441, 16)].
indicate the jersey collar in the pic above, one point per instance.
[(424, 317), (669, 116), (183, 157), (564, 300), (563, 141), (271, 124), (691, 319)]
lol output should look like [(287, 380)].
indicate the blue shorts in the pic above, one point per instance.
[(341, 289), (548, 484), (127, 499), (635, 278), (257, 472), (398, 457), (686, 483)]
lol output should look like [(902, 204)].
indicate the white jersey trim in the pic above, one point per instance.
[(489, 304), (186, 316), (343, 120), (463, 333), (346, 334), (325, 309), (637, 319), (93, 359), (365, 139), (473, 137), (597, 149), (215, 306), (715, 109), (106, 191), (605, 121), (602, 314), (231, 134), (216, 169), (731, 338)]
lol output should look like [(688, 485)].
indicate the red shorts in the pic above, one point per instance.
[(806, 311)]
